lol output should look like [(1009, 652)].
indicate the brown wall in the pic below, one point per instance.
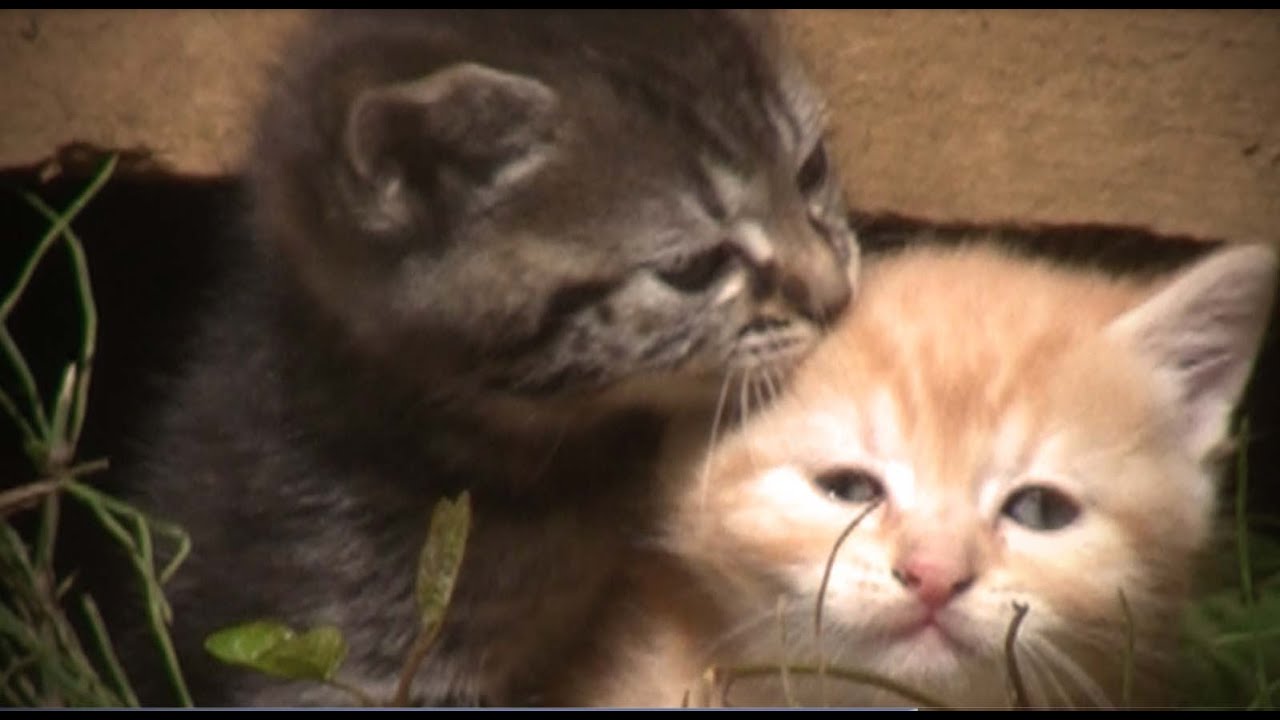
[(1167, 119)]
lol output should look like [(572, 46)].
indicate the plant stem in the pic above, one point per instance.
[(1015, 675), (28, 382), (139, 557), (11, 697), (421, 646), (822, 592), (1126, 692), (108, 653), (89, 330), (59, 223), (29, 437), (16, 499), (1263, 697), (48, 532)]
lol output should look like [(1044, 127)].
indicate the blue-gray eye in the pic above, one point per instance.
[(851, 485), (1041, 508)]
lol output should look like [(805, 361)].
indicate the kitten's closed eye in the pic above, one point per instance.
[(696, 271), (1041, 508), (851, 485)]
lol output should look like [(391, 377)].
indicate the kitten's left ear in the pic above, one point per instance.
[(470, 123), (1202, 332)]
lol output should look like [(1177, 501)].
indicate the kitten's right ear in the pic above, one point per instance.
[(1203, 332), (469, 120)]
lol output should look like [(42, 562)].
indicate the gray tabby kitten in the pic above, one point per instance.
[(492, 251)]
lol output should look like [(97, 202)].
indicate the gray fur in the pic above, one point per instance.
[(487, 245)]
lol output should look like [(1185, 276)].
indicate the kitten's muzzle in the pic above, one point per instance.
[(811, 284), (810, 277)]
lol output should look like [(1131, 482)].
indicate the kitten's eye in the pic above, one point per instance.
[(850, 485), (1041, 508), (696, 271), (813, 172)]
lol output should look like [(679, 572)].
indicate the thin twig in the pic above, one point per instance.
[(65, 586), (95, 497), (28, 382), (158, 611), (17, 558), (30, 439), (52, 233), (103, 639), (13, 700), (1126, 688), (1015, 675), (48, 533), (60, 451), (89, 312), (58, 223), (160, 615), (417, 654), (24, 495), (831, 560), (822, 592)]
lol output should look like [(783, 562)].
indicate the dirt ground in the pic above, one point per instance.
[(1165, 119)]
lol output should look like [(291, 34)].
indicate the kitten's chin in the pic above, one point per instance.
[(937, 661), (925, 657)]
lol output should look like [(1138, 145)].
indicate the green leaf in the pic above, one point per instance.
[(275, 649), (441, 558)]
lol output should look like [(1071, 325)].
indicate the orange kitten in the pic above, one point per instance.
[(1029, 434)]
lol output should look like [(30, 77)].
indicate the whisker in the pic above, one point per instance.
[(1032, 678), (762, 386), (773, 379), (705, 481), (1044, 669), (786, 610), (1082, 680)]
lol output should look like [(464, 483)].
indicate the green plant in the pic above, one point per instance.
[(273, 648), (1232, 636), (44, 662)]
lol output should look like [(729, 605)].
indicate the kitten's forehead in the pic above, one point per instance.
[(802, 112), (963, 387)]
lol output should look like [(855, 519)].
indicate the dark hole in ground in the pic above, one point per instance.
[(157, 243)]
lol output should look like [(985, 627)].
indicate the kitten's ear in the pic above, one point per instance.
[(1202, 332), (468, 119)]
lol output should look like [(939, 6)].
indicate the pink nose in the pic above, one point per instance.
[(935, 583)]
